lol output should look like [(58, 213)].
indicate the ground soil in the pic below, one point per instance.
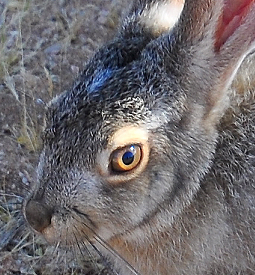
[(43, 47)]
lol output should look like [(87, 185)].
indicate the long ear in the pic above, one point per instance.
[(207, 46), (153, 17), (146, 21)]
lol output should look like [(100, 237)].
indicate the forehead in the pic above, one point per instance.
[(106, 98), (79, 125), (93, 111), (94, 117), (101, 96)]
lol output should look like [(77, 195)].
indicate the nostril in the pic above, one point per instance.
[(38, 215)]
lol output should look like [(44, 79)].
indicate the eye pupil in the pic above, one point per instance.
[(128, 158)]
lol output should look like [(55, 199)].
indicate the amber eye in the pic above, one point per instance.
[(126, 159)]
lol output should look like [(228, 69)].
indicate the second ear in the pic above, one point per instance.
[(160, 17)]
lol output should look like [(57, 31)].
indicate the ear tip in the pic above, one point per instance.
[(161, 16)]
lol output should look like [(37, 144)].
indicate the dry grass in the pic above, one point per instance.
[(43, 47)]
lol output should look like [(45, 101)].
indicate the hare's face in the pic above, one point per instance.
[(126, 149), (108, 166)]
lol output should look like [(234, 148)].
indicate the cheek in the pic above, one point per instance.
[(117, 208)]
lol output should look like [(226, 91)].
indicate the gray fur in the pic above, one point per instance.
[(191, 211)]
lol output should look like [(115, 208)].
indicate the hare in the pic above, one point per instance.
[(149, 158)]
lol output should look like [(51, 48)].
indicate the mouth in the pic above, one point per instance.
[(60, 226), (69, 231)]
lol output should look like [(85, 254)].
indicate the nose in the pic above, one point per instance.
[(38, 215)]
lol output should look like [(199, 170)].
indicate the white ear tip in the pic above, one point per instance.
[(162, 17)]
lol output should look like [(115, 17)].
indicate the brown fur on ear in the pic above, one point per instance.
[(234, 12)]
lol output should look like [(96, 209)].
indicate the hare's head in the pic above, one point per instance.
[(125, 149)]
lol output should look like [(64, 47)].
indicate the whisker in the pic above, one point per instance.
[(115, 253), (104, 244), (91, 257), (103, 259), (65, 254), (106, 263)]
